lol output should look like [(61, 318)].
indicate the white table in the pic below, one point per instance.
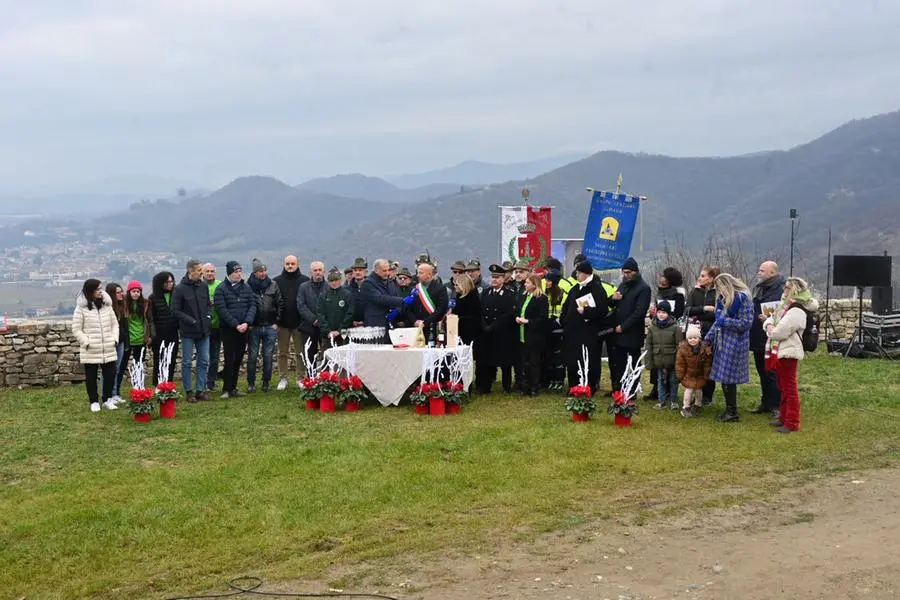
[(387, 371)]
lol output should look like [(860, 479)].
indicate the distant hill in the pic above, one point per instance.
[(356, 185), (473, 172)]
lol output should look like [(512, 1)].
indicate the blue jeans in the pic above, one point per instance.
[(666, 385), (188, 345), (120, 371), (266, 336)]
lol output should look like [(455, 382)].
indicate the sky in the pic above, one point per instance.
[(204, 91)]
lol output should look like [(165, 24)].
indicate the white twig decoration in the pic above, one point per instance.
[(165, 359), (583, 366), (631, 380), (136, 372)]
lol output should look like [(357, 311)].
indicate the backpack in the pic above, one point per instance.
[(810, 335)]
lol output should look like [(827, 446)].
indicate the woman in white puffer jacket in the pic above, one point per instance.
[(96, 328), (785, 330)]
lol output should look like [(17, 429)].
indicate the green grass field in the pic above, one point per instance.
[(94, 505)]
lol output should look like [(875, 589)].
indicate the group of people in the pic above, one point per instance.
[(532, 322)]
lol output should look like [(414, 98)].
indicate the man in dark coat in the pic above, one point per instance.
[(769, 289), (190, 303), (289, 283), (498, 345), (335, 310), (308, 306), (360, 273), (582, 319), (632, 302), (431, 302), (264, 330), (377, 298), (237, 309)]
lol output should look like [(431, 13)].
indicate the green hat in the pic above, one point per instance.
[(335, 274), (360, 263), (521, 265), (404, 272), (394, 265), (458, 266), (348, 270), (473, 265), (507, 265), (423, 258)]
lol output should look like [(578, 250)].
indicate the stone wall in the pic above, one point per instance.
[(46, 353)]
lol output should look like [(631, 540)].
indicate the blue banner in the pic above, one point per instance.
[(610, 229)]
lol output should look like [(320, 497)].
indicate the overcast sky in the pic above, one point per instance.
[(209, 90)]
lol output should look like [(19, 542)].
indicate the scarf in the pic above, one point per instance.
[(773, 346)]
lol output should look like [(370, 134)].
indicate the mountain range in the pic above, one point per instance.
[(847, 180)]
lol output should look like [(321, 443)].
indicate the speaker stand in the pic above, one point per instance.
[(860, 334)]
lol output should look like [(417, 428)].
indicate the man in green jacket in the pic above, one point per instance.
[(335, 310), (215, 339)]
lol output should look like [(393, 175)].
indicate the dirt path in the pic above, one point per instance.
[(836, 538)]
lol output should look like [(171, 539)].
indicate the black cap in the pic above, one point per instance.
[(496, 269), (585, 267)]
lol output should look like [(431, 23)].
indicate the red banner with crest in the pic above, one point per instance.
[(535, 235)]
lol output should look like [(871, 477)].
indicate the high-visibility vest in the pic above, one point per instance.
[(556, 309), (610, 289)]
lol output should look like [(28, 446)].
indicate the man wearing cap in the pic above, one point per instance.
[(521, 270), (498, 346), (308, 306), (457, 268), (289, 283), (264, 331), (335, 310), (360, 273), (431, 302), (404, 282), (632, 302), (348, 275), (473, 270), (582, 319), (236, 307)]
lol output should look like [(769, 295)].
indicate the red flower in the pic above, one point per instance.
[(355, 382), (166, 387), (141, 395), (580, 390), (618, 398)]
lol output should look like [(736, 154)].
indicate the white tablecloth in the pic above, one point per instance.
[(387, 371)]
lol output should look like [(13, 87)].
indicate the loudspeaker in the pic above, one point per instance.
[(882, 300), (862, 271)]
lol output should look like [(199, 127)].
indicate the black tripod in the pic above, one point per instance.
[(861, 333)]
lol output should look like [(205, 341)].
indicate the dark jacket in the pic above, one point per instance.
[(289, 284), (163, 322), (191, 305), (498, 346), (662, 344), (631, 312), (468, 309), (765, 291), (335, 310), (441, 300), (582, 329), (537, 313), (308, 305), (675, 296), (359, 304), (269, 301), (696, 300), (376, 298), (235, 303)]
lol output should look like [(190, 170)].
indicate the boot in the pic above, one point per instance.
[(729, 417)]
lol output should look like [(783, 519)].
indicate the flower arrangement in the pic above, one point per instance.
[(454, 393), (422, 392), (140, 401), (621, 405), (352, 391), (579, 400), (166, 390), (308, 388), (328, 383)]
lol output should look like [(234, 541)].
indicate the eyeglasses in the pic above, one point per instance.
[(457, 272)]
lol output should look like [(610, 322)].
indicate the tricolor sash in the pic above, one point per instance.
[(425, 299)]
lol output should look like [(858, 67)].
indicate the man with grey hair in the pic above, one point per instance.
[(377, 297), (192, 308), (308, 307), (215, 334), (769, 288), (289, 283)]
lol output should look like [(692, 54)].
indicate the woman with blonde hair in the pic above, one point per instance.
[(785, 346), (730, 340), (467, 308), (532, 322)]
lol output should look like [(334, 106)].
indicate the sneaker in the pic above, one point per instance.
[(282, 384), (251, 389), (117, 399), (686, 413), (236, 394), (202, 396), (659, 406), (673, 405), (265, 387), (776, 423), (224, 396), (784, 429), (110, 405), (728, 418), (190, 397), (95, 407)]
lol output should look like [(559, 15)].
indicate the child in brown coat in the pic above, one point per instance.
[(693, 362)]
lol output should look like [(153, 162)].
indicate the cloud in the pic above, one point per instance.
[(210, 90)]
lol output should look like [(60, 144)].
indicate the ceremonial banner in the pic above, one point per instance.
[(512, 220), (610, 229), (534, 243)]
